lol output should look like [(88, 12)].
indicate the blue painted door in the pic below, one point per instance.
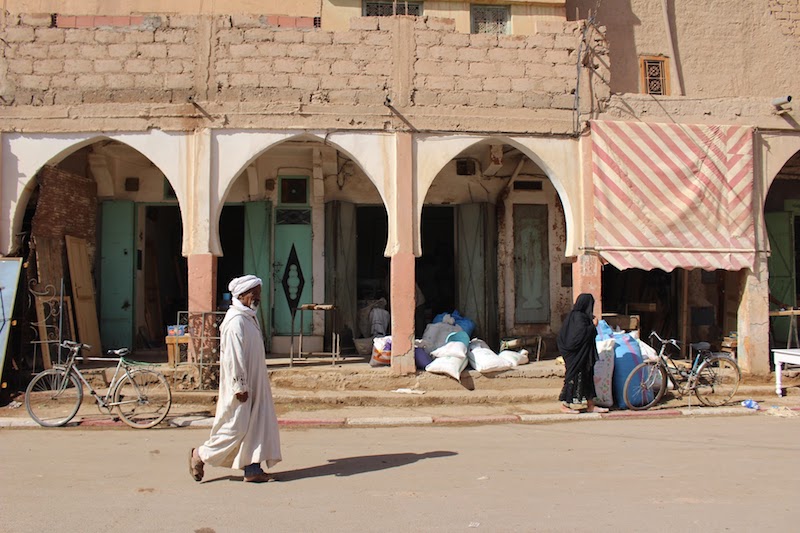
[(117, 273), (257, 248), (292, 267), (531, 264)]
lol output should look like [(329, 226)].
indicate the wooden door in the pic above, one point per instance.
[(257, 250), (117, 273), (83, 294), (292, 267)]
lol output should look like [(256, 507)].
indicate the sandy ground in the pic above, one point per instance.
[(677, 474)]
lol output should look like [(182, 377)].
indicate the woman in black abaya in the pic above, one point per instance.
[(576, 344)]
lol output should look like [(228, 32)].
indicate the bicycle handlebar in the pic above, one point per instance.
[(72, 345), (664, 341)]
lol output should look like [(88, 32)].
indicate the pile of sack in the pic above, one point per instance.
[(618, 353), (447, 347)]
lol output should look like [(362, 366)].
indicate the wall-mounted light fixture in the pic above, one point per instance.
[(780, 102)]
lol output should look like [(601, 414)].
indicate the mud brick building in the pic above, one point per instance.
[(503, 156)]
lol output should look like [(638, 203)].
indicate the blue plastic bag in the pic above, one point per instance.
[(626, 356)]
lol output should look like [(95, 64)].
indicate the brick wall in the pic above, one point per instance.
[(236, 59), (787, 13), (67, 205)]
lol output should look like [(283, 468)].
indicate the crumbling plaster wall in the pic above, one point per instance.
[(243, 72)]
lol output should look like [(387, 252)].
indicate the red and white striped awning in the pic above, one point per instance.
[(673, 195)]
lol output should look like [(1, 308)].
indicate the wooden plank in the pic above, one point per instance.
[(49, 264), (83, 294)]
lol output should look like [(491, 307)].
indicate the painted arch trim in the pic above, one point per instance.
[(24, 154)]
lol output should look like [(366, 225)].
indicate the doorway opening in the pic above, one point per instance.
[(435, 268), (165, 273), (231, 234)]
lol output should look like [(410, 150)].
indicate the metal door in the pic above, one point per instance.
[(476, 232), (293, 265), (780, 229), (118, 258), (340, 264), (531, 264), (257, 248)]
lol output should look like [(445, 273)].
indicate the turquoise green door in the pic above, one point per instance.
[(531, 264), (292, 268), (117, 273), (257, 248), (780, 228)]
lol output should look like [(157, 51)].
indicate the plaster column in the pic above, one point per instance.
[(202, 282), (402, 259), (202, 264), (587, 273), (753, 320)]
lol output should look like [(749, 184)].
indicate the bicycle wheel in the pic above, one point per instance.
[(645, 386), (717, 380), (143, 398), (53, 397)]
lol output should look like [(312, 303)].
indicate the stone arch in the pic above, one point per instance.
[(23, 155), (242, 148), (559, 159)]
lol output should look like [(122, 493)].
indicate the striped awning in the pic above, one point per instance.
[(673, 195)]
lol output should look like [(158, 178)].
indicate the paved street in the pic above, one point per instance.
[(679, 474)]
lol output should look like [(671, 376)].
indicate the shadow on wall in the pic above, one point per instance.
[(618, 18)]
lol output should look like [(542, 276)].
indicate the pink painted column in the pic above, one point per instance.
[(587, 273), (202, 282), (403, 261)]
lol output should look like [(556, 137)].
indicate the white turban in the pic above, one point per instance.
[(239, 286)]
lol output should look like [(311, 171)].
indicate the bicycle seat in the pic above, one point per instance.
[(700, 346), (121, 352)]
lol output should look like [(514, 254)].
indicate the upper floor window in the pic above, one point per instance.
[(655, 75), (387, 9), (490, 19)]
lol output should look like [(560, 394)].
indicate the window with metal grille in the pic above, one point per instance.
[(490, 19), (655, 75), (387, 9)]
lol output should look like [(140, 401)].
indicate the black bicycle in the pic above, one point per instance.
[(713, 377)]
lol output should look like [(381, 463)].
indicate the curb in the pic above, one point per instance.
[(398, 421)]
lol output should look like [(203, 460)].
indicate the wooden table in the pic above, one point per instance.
[(335, 352), (173, 348), (792, 335), (790, 356)]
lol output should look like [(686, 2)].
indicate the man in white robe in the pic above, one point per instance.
[(245, 430)]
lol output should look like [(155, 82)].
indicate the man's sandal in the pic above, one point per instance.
[(195, 466), (262, 477)]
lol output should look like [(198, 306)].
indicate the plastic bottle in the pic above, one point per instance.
[(750, 404)]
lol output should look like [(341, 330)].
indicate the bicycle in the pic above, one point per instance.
[(141, 396), (713, 377)]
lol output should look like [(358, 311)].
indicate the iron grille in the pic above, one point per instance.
[(387, 9), (654, 76), (293, 216), (490, 19)]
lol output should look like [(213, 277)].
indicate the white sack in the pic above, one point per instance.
[(485, 360), (450, 366)]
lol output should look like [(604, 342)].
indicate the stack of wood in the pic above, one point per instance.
[(729, 345)]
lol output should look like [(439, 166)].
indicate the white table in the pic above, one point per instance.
[(790, 356)]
